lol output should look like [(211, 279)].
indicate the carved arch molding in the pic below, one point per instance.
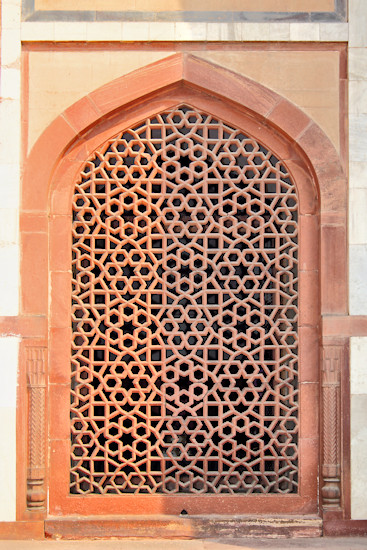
[(226, 180)]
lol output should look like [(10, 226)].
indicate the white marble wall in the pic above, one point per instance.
[(358, 248), (9, 245), (8, 373)]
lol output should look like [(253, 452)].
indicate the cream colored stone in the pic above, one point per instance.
[(357, 174), (323, 98), (280, 31), (326, 118), (190, 31), (10, 14), (104, 31), (73, 31), (299, 71), (358, 137), (10, 83), (9, 226), (10, 48), (10, 130), (307, 32), (59, 79), (33, 31), (133, 31), (308, 79), (358, 97), (358, 456), (161, 31), (8, 463), (357, 279), (357, 216), (334, 32), (255, 31), (357, 23), (358, 365), (224, 31), (76, 31), (9, 280), (9, 351), (9, 185), (357, 63)]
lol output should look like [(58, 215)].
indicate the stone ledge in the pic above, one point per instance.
[(187, 527), (182, 31)]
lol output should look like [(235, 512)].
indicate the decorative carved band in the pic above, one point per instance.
[(36, 380), (331, 372)]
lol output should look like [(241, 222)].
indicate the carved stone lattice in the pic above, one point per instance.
[(36, 378), (331, 372), (184, 355)]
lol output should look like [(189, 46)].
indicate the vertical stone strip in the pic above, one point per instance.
[(357, 62), (10, 116), (36, 379), (331, 464)]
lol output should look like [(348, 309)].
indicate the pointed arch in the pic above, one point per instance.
[(322, 184), (259, 102), (59, 153)]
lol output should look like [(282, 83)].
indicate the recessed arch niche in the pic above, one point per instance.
[(276, 125)]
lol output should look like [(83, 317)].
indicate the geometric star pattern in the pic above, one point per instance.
[(184, 313)]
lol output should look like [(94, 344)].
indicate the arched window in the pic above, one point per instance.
[(185, 303)]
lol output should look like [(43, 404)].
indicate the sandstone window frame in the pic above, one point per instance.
[(322, 192)]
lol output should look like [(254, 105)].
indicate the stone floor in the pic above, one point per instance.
[(350, 543)]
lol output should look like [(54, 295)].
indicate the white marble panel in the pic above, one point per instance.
[(70, 30), (8, 463), (9, 185), (357, 216), (9, 351), (357, 63), (184, 31), (334, 32), (357, 23), (358, 456), (305, 31), (9, 280), (10, 14), (161, 31), (9, 226), (255, 31), (190, 31), (280, 31), (39, 30), (10, 83), (104, 31), (358, 97), (358, 365), (223, 31), (357, 175), (10, 126), (358, 137), (357, 279), (132, 31), (10, 47)]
